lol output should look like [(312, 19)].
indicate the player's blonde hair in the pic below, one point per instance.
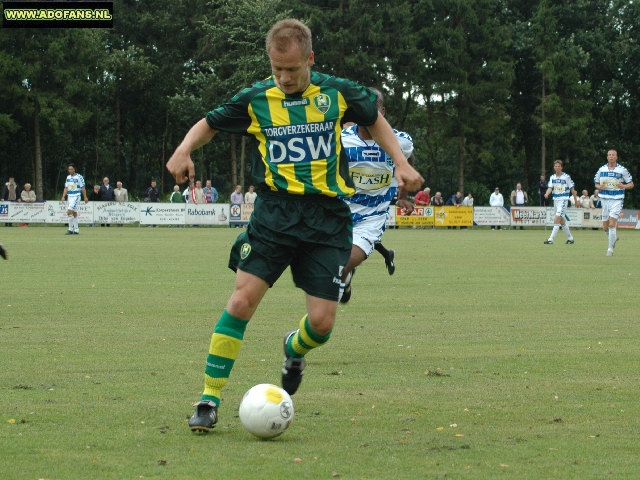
[(288, 32), (558, 161)]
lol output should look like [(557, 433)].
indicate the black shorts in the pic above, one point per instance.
[(312, 234)]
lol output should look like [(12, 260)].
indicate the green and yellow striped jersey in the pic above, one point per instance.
[(296, 138)]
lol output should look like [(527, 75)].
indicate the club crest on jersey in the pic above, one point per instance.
[(245, 250), (322, 102)]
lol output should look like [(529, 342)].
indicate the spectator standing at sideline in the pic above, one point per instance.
[(188, 195), (250, 196), (318, 238), (210, 193), (11, 193), (107, 194), (437, 200), (612, 180), (542, 189), (496, 200), (152, 194), (199, 193), (595, 199), (176, 196), (519, 198), (468, 201), (121, 194), (560, 184), (95, 196), (106, 191), (236, 196), (585, 201), (28, 195), (423, 197), (455, 200)]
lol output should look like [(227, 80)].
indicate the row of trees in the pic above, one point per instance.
[(491, 90)]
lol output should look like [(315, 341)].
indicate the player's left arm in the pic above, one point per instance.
[(403, 194), (406, 175)]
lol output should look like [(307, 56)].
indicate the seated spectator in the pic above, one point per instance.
[(210, 193), (236, 197), (585, 200), (250, 196), (423, 197), (28, 195), (437, 200)]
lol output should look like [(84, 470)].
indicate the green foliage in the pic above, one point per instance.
[(464, 78)]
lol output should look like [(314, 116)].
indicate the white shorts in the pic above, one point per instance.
[(73, 202), (611, 208), (368, 231), (560, 206)]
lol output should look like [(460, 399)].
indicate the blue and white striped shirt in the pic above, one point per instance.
[(74, 184), (561, 186), (371, 170), (609, 180)]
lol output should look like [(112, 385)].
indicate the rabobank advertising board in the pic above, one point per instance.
[(207, 214)]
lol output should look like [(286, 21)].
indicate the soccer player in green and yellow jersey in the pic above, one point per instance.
[(294, 122)]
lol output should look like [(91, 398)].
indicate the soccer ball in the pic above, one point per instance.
[(266, 411)]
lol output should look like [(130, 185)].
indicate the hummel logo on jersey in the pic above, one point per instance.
[(371, 153)]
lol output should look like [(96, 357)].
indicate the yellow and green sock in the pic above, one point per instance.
[(223, 351)]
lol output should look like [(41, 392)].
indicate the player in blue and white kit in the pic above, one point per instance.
[(560, 184), (372, 172), (73, 187), (612, 180)]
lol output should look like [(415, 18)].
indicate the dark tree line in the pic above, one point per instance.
[(492, 91)]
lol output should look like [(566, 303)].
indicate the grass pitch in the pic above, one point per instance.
[(487, 355)]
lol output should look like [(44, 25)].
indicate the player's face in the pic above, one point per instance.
[(558, 168), (71, 170), (291, 70), (612, 156)]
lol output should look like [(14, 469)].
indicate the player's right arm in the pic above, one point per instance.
[(546, 195), (180, 162), (64, 194)]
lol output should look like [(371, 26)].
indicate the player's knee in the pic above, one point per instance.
[(322, 324), (242, 306)]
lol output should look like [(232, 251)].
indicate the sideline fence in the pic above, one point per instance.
[(224, 214)]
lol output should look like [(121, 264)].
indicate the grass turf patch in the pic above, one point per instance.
[(487, 354)]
